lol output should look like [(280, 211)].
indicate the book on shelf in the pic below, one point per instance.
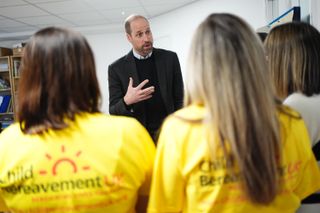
[(5, 124), (4, 67), (16, 68), (4, 84), (6, 120), (5, 51), (7, 117), (10, 107)]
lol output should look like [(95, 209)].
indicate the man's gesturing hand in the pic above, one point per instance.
[(137, 94)]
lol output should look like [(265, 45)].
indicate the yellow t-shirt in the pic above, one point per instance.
[(99, 164), (186, 179)]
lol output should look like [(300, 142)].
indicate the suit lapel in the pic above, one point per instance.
[(132, 69), (161, 73)]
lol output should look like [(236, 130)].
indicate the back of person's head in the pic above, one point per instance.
[(227, 73), (294, 58), (58, 80)]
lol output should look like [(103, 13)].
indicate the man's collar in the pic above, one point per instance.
[(140, 57)]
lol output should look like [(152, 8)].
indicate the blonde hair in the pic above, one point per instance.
[(294, 58), (228, 75)]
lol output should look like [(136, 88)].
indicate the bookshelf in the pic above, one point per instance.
[(6, 94), (15, 61), (9, 79)]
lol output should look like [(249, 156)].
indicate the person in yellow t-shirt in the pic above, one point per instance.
[(63, 154), (294, 64), (234, 147)]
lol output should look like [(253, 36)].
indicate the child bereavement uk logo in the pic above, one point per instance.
[(66, 160)]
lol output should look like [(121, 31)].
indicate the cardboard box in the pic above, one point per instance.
[(5, 51), (18, 51)]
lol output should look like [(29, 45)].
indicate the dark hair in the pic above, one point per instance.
[(262, 36), (294, 58), (58, 80)]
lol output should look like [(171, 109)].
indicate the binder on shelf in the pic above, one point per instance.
[(5, 103)]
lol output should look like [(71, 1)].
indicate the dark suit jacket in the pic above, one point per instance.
[(169, 78)]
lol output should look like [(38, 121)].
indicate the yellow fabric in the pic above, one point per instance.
[(186, 180), (99, 164)]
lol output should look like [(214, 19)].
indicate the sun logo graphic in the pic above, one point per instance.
[(64, 162)]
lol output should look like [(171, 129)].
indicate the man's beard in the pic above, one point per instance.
[(147, 47)]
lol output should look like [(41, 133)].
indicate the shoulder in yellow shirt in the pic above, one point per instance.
[(186, 179), (99, 163)]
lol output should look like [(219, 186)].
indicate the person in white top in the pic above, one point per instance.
[(294, 63), (309, 108)]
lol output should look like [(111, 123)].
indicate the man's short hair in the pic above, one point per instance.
[(127, 23)]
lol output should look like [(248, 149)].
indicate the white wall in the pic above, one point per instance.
[(177, 27), (308, 7), (172, 31), (284, 5), (315, 13), (107, 48)]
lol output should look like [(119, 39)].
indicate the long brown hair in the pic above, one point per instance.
[(227, 73), (294, 58), (58, 80)]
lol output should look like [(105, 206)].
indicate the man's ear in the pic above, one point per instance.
[(129, 37)]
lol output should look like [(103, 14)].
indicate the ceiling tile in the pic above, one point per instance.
[(21, 11), (84, 19), (3, 31), (6, 3), (19, 29), (42, 20), (43, 1), (19, 16), (161, 8), (122, 14), (85, 16), (115, 4), (64, 7), (152, 2), (68, 25), (10, 23), (93, 23)]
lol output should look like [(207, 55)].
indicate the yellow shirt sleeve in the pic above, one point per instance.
[(147, 156), (309, 180), (142, 150), (3, 206), (167, 188)]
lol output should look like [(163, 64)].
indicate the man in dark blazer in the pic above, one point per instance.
[(147, 82)]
